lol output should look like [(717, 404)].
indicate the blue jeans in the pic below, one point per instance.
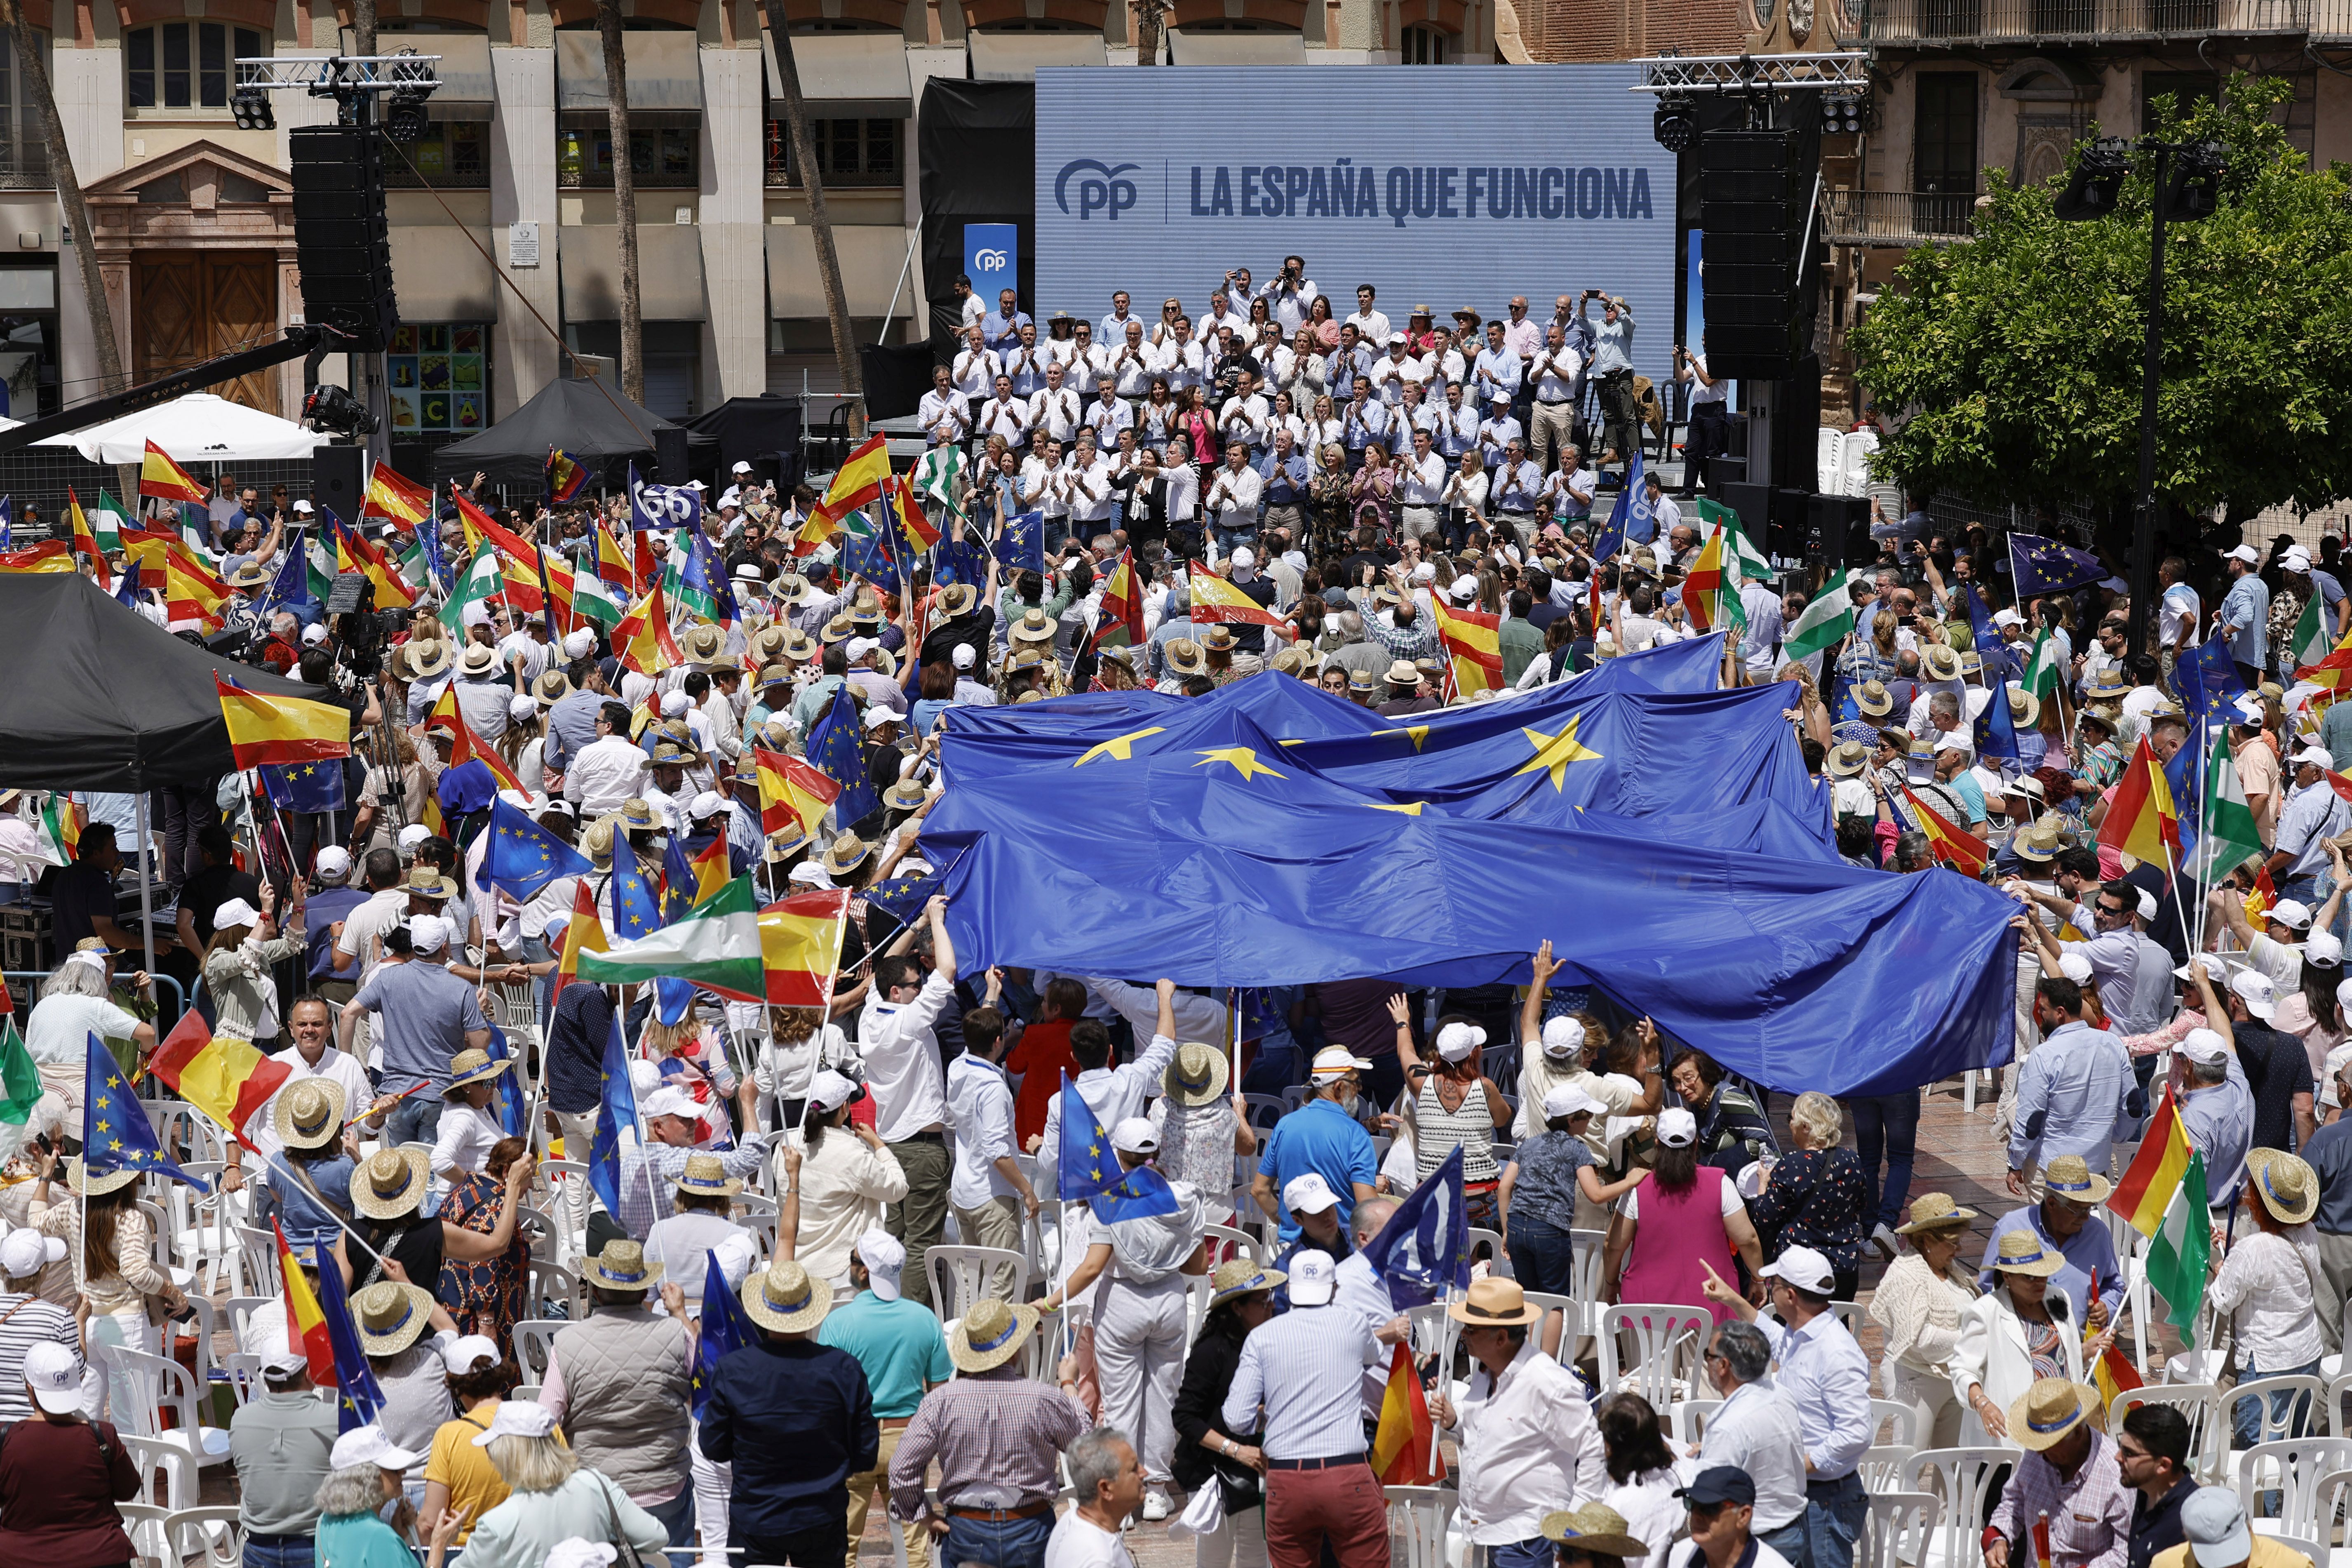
[(1531, 1554), (1789, 1540), (2246, 1415), (1006, 1544), (417, 1119), (1229, 538), (1835, 1513), (1887, 1124), (280, 1552), (1543, 1256), (677, 1516)]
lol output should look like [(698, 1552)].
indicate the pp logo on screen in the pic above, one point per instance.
[(1100, 188)]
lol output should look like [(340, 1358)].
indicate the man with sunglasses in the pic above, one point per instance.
[(1757, 1435), (2112, 951), (2152, 1452)]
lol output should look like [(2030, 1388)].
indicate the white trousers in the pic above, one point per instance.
[(1140, 1348), (712, 1484), (1940, 1409), (1238, 1542)]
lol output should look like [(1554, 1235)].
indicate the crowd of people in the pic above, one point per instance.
[(1092, 1377)]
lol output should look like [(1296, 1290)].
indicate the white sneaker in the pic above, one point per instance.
[(1886, 1241), (1156, 1506)]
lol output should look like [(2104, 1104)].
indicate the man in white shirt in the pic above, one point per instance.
[(1516, 491), (313, 1055), (1107, 415), (609, 770), (1221, 313), (1422, 491), (1552, 419), (1371, 325), (1498, 431), (1130, 367), (1756, 1432), (1055, 413), (1391, 373), (1005, 414), (1289, 294), (1109, 1483), (1045, 488), (1081, 360), (1233, 499), (975, 368), (1026, 362), (1496, 370), (898, 1034), (945, 412), (1179, 358), (1528, 1443), (1088, 482), (1455, 425), (1244, 417), (991, 1196)]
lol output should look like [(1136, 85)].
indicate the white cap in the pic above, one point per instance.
[(1425, 573), (675, 705), (1332, 1061), (830, 1091), (334, 863), (2074, 967), (581, 1552), (669, 1101), (427, 933), (54, 1374), (885, 1256), (2204, 1047), (25, 1253), (876, 716), (962, 657), (1677, 1127), (2147, 905), (522, 706), (579, 644), (1567, 1100), (809, 874), (460, 1354), (236, 912), (2295, 556), (1308, 1193), (706, 805), (414, 833), (740, 467), (644, 1078), (2317, 756), (302, 506), (2254, 989), (1563, 1039), (2344, 992), (2290, 912), (2007, 616), (285, 1364), (1243, 558), (515, 1418), (2244, 553), (1135, 1135), (2323, 948), (1801, 1267), (313, 635), (1456, 1041), (859, 647), (367, 1446), (1313, 1278)]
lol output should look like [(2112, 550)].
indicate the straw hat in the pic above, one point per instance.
[(706, 1177), (1938, 662), (956, 599), (1596, 1528), (309, 1114), (622, 1266), (1218, 640), (473, 1066), (702, 644), (2041, 842), (2286, 1184), (97, 1187), (250, 576), (1196, 1077), (787, 1300), (848, 852), (1241, 1277), (479, 660), (391, 1316), (1184, 656), (2070, 1176), (1848, 758), (428, 660), (2045, 1414), (2108, 682), (1495, 1304), (427, 882), (766, 644), (635, 815), (390, 1183), (792, 588), (906, 795), (841, 628), (1032, 627), (598, 841), (1874, 701), (785, 843), (2024, 708), (991, 1334), (1934, 1211), (2023, 1252)]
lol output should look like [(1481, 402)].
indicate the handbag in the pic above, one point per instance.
[(626, 1554)]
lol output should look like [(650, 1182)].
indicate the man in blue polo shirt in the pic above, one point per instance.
[(1323, 1137)]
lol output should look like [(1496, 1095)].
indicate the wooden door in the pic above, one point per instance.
[(189, 306)]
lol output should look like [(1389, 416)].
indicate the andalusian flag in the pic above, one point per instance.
[(1702, 589), (1121, 619), (85, 542), (642, 641), (1405, 1447), (226, 1080), (2140, 820), (580, 598), (305, 1320), (791, 793), (800, 946), (401, 503), (1216, 602), (481, 580), (281, 729), (937, 474), (1954, 844), (2041, 672), (2163, 1195), (165, 479), (20, 1076), (858, 480), (109, 518), (1828, 619), (2230, 836), (2308, 644), (59, 828), (1472, 642), (716, 947)]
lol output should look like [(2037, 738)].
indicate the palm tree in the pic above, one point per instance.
[(1148, 32), (624, 202), (828, 264), (34, 76)]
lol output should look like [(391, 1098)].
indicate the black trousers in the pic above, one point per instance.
[(1709, 437), (823, 1547)]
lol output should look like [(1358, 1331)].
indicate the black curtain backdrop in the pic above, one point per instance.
[(896, 377), (978, 152)]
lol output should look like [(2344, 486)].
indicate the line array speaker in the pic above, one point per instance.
[(343, 239)]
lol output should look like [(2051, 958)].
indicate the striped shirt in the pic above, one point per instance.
[(1305, 1369), (997, 1437), (1437, 1129), (25, 1321)]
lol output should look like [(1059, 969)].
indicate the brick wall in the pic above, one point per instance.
[(1563, 31)]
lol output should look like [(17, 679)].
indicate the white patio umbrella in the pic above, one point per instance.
[(197, 428)]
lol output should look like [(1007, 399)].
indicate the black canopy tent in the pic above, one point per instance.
[(591, 420), (101, 697)]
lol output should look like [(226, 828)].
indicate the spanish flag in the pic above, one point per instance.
[(583, 934), (524, 591), (305, 1320), (791, 793), (1955, 846), (711, 872), (281, 729), (401, 503), (481, 525), (226, 1080), (2113, 1371), (165, 479), (1122, 606), (1216, 602), (48, 556), (85, 541), (859, 480), (1405, 1447), (914, 530), (642, 641), (566, 476), (612, 562), (1473, 643), (2155, 1171), (464, 746), (1704, 583), (800, 946), (2140, 820), (191, 593), (353, 553)]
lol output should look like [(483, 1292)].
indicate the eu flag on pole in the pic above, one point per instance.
[(2038, 565), (115, 1133), (837, 749), (1424, 1249), (524, 857), (635, 912), (903, 898), (303, 786), (1089, 1168), (1632, 506), (1991, 649), (868, 555), (1996, 727), (359, 1398), (726, 1328), (2209, 685), (506, 1094), (1022, 546), (954, 561), (617, 1108)]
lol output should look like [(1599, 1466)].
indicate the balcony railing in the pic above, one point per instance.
[(24, 165), (1895, 217), (1994, 21)]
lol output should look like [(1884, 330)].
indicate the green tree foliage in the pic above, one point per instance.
[(2018, 353)]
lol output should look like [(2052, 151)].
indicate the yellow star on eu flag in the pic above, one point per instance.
[(1412, 810), (1420, 733), (1120, 747), (1243, 760), (1554, 752)]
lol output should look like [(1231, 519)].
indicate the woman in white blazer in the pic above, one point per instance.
[(2013, 1334)]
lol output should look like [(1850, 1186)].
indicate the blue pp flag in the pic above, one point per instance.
[(115, 1133), (506, 1094), (726, 1328), (1632, 507), (1022, 545), (303, 786), (616, 1108), (2038, 565), (836, 748), (359, 1398), (524, 857), (662, 506), (1424, 1249), (1089, 1168), (635, 912)]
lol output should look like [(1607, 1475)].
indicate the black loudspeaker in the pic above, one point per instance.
[(1837, 529), (1754, 505), (1722, 471), (1755, 194), (670, 455), (342, 240), (338, 480)]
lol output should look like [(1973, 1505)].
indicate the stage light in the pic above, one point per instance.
[(1675, 123), (2098, 181)]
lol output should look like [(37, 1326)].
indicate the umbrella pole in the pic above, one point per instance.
[(146, 889)]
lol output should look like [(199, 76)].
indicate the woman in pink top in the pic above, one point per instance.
[(1686, 1219), (1198, 425), (1319, 322)]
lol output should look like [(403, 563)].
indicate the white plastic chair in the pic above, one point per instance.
[(2293, 1473), (1500, 1266), (257, 1253), (961, 1276), (205, 1537), (1904, 1419), (241, 1371), (240, 1310), (1572, 1311), (143, 1523), (1242, 1241), (1588, 1247), (2209, 1421), (1423, 1516), (2301, 1417), (1265, 1110), (155, 1458), (1667, 1341), (143, 1385), (1687, 1418), (1959, 1479), (1197, 1291), (534, 1344), (1900, 1526), (1882, 1465)]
